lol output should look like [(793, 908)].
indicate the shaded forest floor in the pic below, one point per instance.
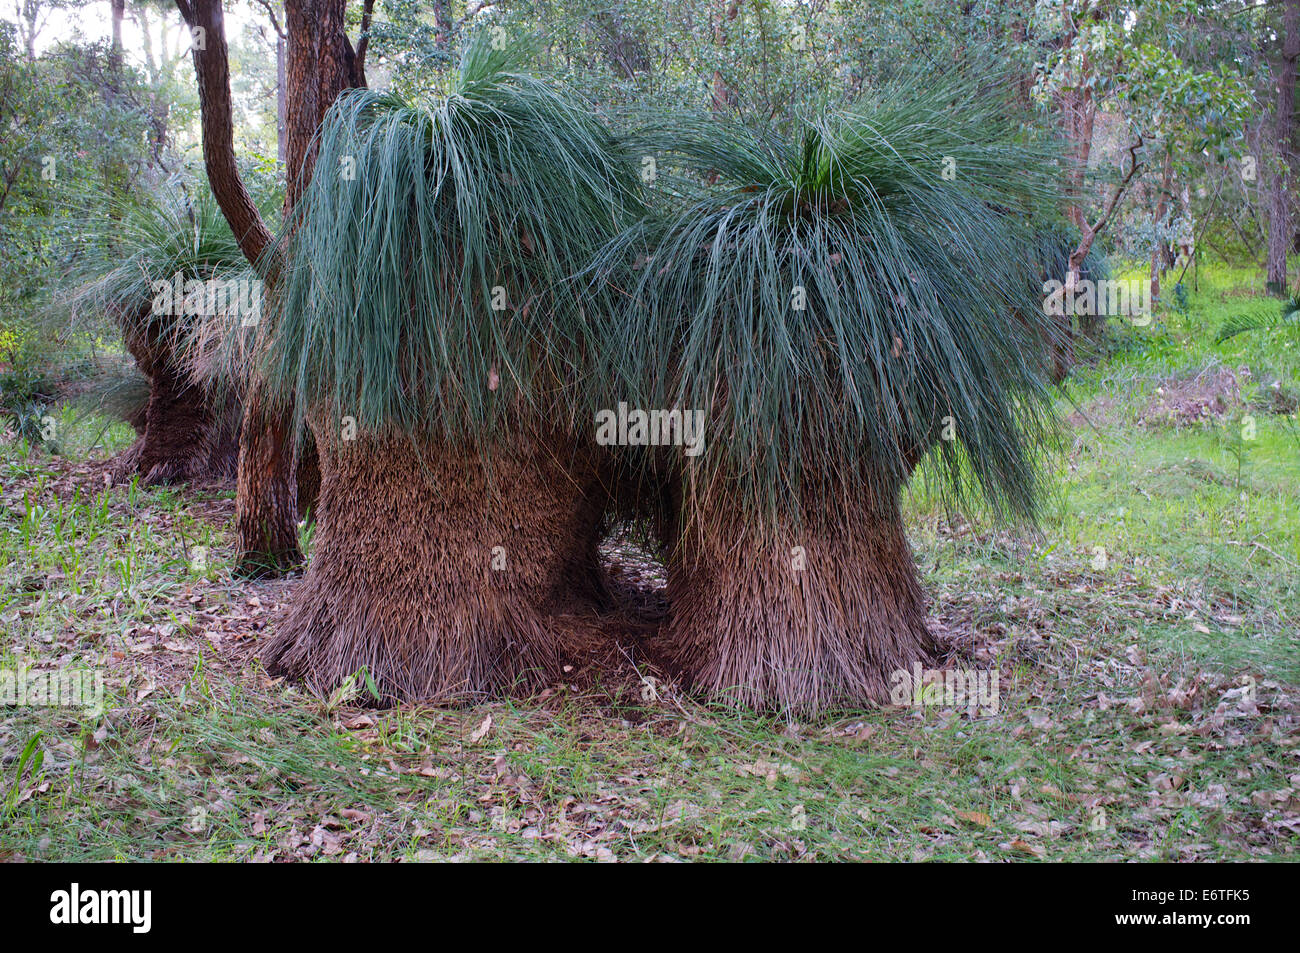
[(1146, 639)]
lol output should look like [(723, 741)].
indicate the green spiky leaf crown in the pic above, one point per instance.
[(841, 299)]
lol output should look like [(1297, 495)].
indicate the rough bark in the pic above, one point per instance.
[(307, 478), (319, 64), (1281, 198), (281, 108), (758, 622), (266, 511), (407, 579), (212, 68)]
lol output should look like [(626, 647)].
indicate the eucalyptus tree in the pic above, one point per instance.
[(840, 304), (321, 61), (438, 352)]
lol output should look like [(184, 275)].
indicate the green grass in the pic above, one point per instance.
[(1121, 734)]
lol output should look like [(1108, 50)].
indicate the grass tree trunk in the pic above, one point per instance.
[(187, 431), (439, 575), (796, 618)]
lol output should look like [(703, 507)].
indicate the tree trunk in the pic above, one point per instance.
[(307, 477), (442, 23), (186, 431), (281, 109), (1161, 259), (266, 511), (1063, 353), (1280, 197), (115, 49), (797, 619), (723, 95), (443, 578), (212, 68), (1077, 115), (319, 64)]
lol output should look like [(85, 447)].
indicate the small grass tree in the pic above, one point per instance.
[(839, 303), (428, 328), (182, 278)]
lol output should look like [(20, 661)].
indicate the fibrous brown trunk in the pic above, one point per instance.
[(307, 474), (187, 431), (796, 618), (442, 577)]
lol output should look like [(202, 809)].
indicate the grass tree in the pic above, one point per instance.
[(426, 324), (182, 279), (839, 303)]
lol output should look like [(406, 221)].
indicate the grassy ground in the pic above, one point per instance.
[(1145, 636)]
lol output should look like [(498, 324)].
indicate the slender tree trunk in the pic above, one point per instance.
[(281, 111), (119, 12), (159, 108), (1078, 113), (1063, 356), (266, 511), (1160, 257), (797, 619), (442, 23), (319, 64), (212, 68), (1281, 199), (723, 96), (442, 577), (30, 12)]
